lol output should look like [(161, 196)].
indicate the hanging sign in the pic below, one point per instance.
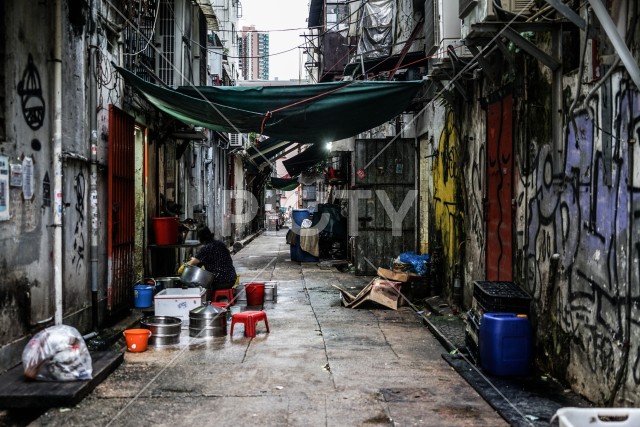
[(4, 188), (27, 178)]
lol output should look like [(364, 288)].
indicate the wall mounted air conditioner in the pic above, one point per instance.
[(478, 11), (485, 9), (441, 26), (235, 140)]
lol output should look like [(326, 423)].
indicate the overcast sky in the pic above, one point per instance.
[(269, 15)]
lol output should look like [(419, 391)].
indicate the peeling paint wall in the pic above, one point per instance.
[(26, 299)]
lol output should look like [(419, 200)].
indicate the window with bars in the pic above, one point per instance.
[(139, 49), (167, 37)]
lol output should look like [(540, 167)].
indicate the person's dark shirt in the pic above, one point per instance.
[(216, 258)]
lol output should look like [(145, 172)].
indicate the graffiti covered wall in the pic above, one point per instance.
[(447, 199), (586, 224)]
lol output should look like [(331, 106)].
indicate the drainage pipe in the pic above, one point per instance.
[(57, 160), (93, 184), (617, 41)]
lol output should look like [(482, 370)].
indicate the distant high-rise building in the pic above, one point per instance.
[(254, 54)]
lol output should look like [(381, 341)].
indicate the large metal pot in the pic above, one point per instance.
[(208, 321), (165, 330), (163, 283), (195, 276)]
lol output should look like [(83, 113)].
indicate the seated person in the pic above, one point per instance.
[(216, 258)]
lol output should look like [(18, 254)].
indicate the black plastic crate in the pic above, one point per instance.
[(501, 297), (472, 335)]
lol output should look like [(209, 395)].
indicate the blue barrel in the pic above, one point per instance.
[(142, 296), (297, 216), (505, 344)]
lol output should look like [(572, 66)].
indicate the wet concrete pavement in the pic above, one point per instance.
[(321, 365)]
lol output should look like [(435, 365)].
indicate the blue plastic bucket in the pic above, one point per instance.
[(142, 296), (297, 216)]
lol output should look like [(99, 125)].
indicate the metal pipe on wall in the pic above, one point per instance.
[(93, 184), (57, 160)]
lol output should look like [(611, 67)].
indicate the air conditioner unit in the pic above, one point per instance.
[(479, 11), (235, 140), (441, 26), (512, 6)]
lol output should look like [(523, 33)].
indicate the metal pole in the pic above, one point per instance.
[(93, 184), (57, 159)]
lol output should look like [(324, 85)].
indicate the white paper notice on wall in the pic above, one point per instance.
[(4, 188), (27, 178)]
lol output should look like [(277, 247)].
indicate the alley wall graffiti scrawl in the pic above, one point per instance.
[(448, 212), (30, 91), (593, 228), (78, 232)]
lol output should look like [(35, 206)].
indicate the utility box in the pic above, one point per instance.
[(178, 302)]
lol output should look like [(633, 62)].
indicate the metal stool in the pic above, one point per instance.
[(249, 319), (223, 293)]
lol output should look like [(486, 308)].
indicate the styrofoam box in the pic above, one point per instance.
[(178, 302), (598, 417)]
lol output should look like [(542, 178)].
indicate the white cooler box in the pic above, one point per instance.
[(178, 302), (597, 417)]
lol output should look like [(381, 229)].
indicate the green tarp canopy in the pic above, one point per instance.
[(267, 149), (312, 113), (306, 159), (284, 184)]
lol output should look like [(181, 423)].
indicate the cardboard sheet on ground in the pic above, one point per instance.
[(381, 291), (398, 276)]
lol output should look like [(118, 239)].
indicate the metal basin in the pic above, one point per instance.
[(208, 321), (195, 276), (165, 330), (163, 283)]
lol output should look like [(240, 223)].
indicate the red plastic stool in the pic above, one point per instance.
[(249, 319), (224, 305), (226, 293)]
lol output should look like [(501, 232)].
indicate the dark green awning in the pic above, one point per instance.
[(305, 160), (321, 112), (284, 184), (267, 149)]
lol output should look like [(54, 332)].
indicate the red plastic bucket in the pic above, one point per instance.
[(255, 293), (166, 230)]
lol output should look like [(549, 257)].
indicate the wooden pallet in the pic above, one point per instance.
[(17, 391)]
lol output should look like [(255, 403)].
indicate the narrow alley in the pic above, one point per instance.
[(321, 365)]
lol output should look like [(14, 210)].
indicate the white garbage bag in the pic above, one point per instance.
[(57, 353)]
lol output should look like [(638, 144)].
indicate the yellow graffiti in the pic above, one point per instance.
[(445, 183)]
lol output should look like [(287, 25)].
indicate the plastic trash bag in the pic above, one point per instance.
[(57, 353), (418, 262)]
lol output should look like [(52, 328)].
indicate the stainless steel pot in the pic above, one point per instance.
[(165, 330), (167, 282), (208, 321), (196, 276)]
